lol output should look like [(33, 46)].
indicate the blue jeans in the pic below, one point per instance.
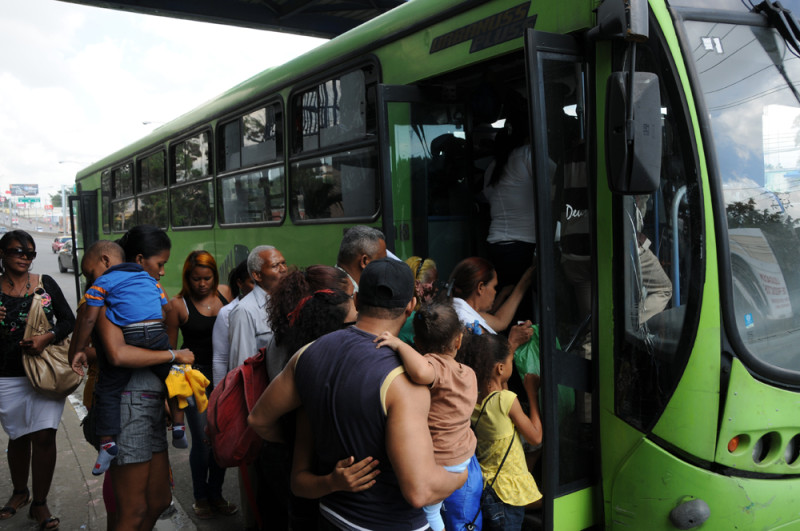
[(499, 516), (433, 513), (207, 475), (464, 505)]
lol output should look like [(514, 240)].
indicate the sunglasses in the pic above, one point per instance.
[(29, 255)]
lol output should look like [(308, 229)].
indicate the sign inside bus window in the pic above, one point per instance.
[(496, 29)]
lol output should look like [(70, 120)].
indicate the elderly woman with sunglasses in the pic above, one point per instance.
[(29, 418)]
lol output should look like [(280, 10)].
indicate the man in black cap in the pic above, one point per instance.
[(360, 403)]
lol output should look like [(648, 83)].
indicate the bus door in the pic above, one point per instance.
[(566, 278), (84, 207), (427, 171)]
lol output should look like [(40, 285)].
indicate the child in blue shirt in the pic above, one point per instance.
[(133, 300)]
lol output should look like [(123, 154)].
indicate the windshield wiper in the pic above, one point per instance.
[(783, 20)]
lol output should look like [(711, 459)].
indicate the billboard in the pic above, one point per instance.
[(24, 189)]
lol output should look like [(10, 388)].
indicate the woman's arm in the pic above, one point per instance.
[(529, 426), (347, 475), (173, 319), (503, 316), (65, 319), (121, 354)]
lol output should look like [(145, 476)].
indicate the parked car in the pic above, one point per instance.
[(58, 243), (65, 257), (39, 229)]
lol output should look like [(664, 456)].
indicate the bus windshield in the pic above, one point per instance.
[(748, 75)]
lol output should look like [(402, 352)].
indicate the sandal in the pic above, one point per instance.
[(8, 510), (203, 510), (224, 507), (46, 524)]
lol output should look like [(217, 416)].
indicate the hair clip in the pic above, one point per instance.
[(475, 328)]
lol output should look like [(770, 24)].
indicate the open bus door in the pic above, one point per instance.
[(557, 95), (84, 206), (426, 177)]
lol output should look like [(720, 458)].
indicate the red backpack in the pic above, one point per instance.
[(234, 442)]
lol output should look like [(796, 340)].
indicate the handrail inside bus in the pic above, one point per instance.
[(676, 263)]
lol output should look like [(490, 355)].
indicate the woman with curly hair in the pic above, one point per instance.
[(274, 462), (287, 294)]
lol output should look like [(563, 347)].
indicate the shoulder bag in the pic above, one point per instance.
[(49, 373)]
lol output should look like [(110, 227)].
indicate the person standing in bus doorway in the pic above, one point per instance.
[(360, 246), (249, 328), (508, 186)]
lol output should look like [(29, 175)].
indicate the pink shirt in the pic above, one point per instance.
[(454, 392)]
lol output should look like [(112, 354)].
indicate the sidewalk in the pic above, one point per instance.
[(76, 496)]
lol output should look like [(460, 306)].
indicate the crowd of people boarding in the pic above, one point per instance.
[(388, 405)]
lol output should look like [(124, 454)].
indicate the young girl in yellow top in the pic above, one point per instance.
[(499, 421)]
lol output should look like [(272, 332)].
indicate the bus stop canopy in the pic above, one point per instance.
[(317, 18)]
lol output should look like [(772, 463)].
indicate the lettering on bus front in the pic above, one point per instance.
[(496, 29)]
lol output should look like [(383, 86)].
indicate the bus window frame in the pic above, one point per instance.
[(138, 160), (105, 209), (370, 140), (208, 178), (238, 117), (116, 200), (733, 345), (244, 171), (279, 161)]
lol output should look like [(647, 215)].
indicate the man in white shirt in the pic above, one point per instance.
[(249, 328)]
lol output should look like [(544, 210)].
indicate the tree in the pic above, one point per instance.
[(55, 200)]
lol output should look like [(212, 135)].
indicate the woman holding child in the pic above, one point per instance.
[(29, 418), (140, 471)]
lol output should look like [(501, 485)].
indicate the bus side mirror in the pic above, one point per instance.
[(621, 18), (633, 133)]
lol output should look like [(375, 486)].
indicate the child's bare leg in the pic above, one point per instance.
[(179, 439)]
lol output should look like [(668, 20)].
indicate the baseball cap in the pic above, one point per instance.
[(386, 283)]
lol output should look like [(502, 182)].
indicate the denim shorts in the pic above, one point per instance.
[(143, 423), (499, 516)]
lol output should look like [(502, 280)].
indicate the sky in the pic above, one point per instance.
[(77, 82)]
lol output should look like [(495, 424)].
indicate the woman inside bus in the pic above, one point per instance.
[(508, 186), (30, 419), (473, 286), (140, 474), (193, 311)]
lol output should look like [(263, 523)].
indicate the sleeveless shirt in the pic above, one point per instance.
[(340, 378), (197, 331)]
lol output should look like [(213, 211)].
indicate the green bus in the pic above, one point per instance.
[(674, 402)]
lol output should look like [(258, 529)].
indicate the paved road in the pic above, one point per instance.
[(76, 495)]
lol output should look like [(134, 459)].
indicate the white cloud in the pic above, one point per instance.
[(77, 82)]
